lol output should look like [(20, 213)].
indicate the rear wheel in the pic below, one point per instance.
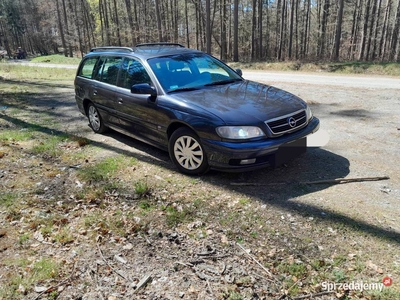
[(95, 120), (187, 153)]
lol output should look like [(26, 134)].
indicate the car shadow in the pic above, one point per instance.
[(280, 186)]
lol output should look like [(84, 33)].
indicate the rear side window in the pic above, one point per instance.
[(132, 72), (107, 69), (87, 67)]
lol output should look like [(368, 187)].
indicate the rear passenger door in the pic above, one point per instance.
[(104, 87), (139, 115)]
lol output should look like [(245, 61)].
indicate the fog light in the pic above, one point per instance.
[(247, 161)]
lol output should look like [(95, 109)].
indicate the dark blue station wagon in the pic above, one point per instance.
[(192, 105)]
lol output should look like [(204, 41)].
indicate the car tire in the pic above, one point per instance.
[(95, 120), (187, 153)]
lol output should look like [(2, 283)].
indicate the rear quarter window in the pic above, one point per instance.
[(87, 67)]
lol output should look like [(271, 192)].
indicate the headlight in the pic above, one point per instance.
[(309, 113), (239, 132)]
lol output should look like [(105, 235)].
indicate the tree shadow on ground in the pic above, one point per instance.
[(40, 83)]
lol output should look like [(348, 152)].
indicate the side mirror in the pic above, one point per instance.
[(239, 72), (143, 89)]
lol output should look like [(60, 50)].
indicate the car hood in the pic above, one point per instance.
[(242, 102)]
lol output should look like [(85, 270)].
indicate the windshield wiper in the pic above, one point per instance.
[(222, 82)]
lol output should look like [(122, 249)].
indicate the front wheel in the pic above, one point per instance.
[(187, 153), (95, 120)]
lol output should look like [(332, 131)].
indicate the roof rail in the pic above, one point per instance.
[(160, 44), (112, 48)]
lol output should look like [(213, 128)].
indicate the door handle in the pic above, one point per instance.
[(94, 92), (120, 101)]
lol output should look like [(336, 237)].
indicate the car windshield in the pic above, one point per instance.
[(193, 71)]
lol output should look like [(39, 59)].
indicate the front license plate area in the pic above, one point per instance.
[(289, 151)]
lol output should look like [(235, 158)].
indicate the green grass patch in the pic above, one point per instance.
[(387, 294), (30, 274), (120, 223), (146, 205), (44, 269), (92, 219), (57, 59), (50, 145), (390, 69), (8, 199), (371, 68), (25, 73), (339, 275), (230, 294), (13, 213), (64, 236), (298, 270), (102, 170), (16, 135), (141, 188), (23, 238), (175, 216)]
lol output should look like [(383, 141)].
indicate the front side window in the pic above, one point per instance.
[(87, 67), (132, 72)]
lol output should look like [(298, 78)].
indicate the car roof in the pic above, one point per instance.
[(145, 51)]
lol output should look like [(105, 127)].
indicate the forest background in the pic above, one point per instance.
[(237, 30)]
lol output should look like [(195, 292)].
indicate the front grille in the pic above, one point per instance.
[(287, 123)]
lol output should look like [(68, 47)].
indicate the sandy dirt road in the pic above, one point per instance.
[(344, 81), (360, 115)]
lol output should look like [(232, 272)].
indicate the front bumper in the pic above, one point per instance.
[(227, 156)]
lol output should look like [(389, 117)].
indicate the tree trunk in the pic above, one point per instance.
[(137, 24), (324, 23), (307, 29), (130, 20), (376, 29), (223, 31), (208, 26), (117, 23), (236, 30), (61, 28), (78, 27), (365, 30), (354, 30), (68, 42), (296, 33), (253, 29), (292, 5), (187, 24), (338, 33), (371, 28), (282, 28), (277, 28), (260, 28), (395, 37), (384, 36), (158, 16)]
